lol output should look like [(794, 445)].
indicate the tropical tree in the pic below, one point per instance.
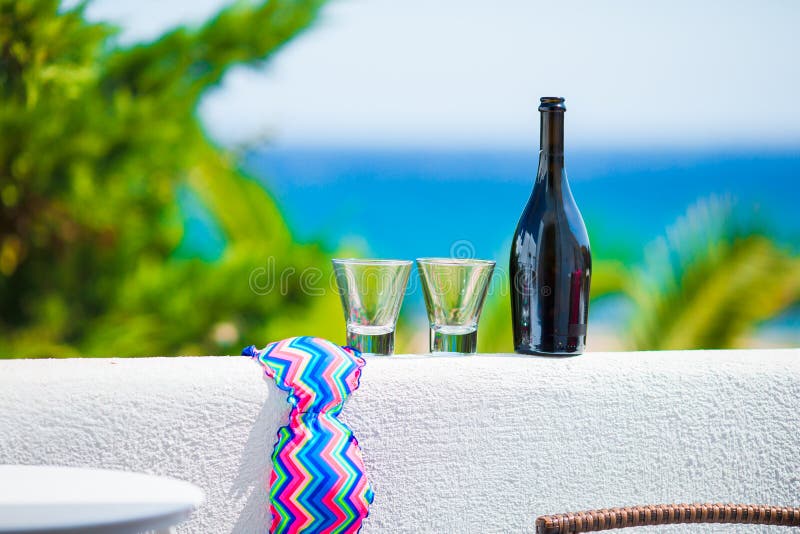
[(97, 144), (710, 280)]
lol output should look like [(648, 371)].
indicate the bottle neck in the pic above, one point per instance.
[(551, 141), (551, 152)]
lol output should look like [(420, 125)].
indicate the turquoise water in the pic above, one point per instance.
[(406, 204)]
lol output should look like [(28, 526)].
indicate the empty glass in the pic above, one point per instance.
[(454, 291), (372, 292)]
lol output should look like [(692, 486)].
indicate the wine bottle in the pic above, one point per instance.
[(551, 265)]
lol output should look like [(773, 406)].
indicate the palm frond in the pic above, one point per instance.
[(710, 280)]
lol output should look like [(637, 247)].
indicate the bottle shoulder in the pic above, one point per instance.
[(544, 207), (550, 221)]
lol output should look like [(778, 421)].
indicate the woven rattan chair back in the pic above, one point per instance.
[(666, 514)]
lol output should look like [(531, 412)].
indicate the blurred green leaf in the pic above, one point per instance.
[(709, 281), (96, 141)]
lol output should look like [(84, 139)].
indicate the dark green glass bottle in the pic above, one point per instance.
[(551, 265)]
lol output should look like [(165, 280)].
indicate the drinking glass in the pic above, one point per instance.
[(372, 292), (454, 290)]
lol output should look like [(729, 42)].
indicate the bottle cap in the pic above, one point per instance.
[(552, 103)]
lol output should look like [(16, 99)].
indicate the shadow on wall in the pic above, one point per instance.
[(255, 465)]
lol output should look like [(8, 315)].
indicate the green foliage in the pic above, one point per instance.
[(494, 328), (95, 142), (709, 282)]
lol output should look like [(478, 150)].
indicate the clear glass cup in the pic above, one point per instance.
[(372, 292), (455, 291)]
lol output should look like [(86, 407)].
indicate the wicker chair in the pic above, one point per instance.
[(666, 514)]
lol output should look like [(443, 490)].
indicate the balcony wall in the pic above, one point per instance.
[(452, 444)]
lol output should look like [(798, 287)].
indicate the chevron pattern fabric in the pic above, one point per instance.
[(318, 482)]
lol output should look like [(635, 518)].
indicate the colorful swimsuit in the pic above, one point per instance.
[(318, 482)]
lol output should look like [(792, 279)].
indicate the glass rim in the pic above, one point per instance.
[(455, 261), (369, 261)]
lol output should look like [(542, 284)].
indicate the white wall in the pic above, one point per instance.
[(474, 444)]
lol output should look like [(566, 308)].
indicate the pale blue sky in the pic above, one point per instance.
[(469, 72)]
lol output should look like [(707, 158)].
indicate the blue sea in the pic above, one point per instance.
[(407, 204), (414, 203)]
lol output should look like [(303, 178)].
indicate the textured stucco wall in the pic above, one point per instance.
[(475, 444)]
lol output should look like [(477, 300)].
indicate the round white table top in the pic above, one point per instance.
[(48, 499)]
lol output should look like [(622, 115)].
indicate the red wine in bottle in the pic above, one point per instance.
[(551, 266)]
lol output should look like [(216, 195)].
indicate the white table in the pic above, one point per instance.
[(47, 499)]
